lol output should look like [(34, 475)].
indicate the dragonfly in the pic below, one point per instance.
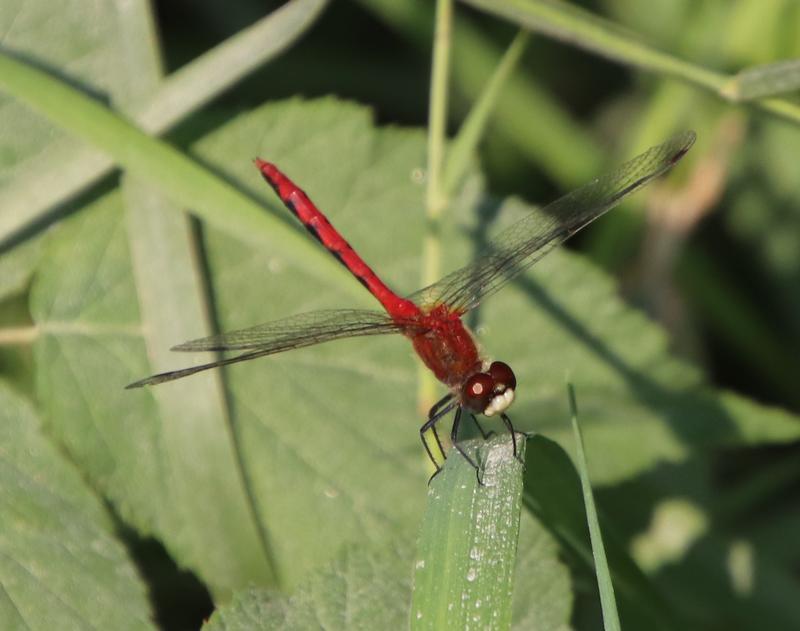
[(431, 318)]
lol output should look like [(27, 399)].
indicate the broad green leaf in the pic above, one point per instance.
[(542, 585), (464, 570), (344, 468), (170, 292), (17, 267), (336, 424), (61, 565), (364, 588), (641, 405), (88, 344), (328, 435)]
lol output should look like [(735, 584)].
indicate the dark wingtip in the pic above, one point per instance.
[(686, 140)]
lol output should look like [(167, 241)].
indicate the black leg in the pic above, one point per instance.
[(434, 413), (443, 401), (434, 416), (507, 422), (454, 440), (486, 435)]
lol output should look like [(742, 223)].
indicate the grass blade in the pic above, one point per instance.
[(474, 126), (468, 544), (604, 583), (72, 169), (553, 495), (185, 181)]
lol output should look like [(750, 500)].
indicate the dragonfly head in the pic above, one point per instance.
[(490, 392)]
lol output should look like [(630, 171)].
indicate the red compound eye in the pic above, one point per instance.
[(502, 374), (478, 391)]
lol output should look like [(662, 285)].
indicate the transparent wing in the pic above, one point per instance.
[(281, 335), (520, 246)]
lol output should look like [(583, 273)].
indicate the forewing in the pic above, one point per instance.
[(520, 246), (281, 335)]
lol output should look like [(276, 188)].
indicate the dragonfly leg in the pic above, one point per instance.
[(513, 432), (440, 409), (454, 440), (486, 435), (443, 401)]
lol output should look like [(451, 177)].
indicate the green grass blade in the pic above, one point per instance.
[(185, 181), (526, 114), (553, 495), (200, 81), (604, 583), (468, 545), (472, 130), (72, 169)]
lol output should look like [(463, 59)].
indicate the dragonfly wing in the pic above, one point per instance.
[(274, 337), (517, 248)]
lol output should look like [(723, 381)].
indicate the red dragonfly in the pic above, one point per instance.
[(431, 317)]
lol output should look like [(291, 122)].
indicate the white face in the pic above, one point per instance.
[(500, 402)]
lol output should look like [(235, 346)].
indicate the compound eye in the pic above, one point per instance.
[(502, 374), (478, 391)]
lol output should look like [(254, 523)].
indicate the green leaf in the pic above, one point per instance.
[(542, 586), (467, 550), (642, 406), (604, 581), (765, 80), (171, 296), (362, 589), (85, 303), (62, 565), (17, 267)]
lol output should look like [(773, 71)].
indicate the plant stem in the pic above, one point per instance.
[(435, 199)]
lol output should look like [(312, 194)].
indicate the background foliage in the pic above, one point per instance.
[(290, 492)]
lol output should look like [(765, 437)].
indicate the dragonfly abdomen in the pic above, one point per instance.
[(319, 227)]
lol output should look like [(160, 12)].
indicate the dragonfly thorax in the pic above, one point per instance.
[(490, 392)]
